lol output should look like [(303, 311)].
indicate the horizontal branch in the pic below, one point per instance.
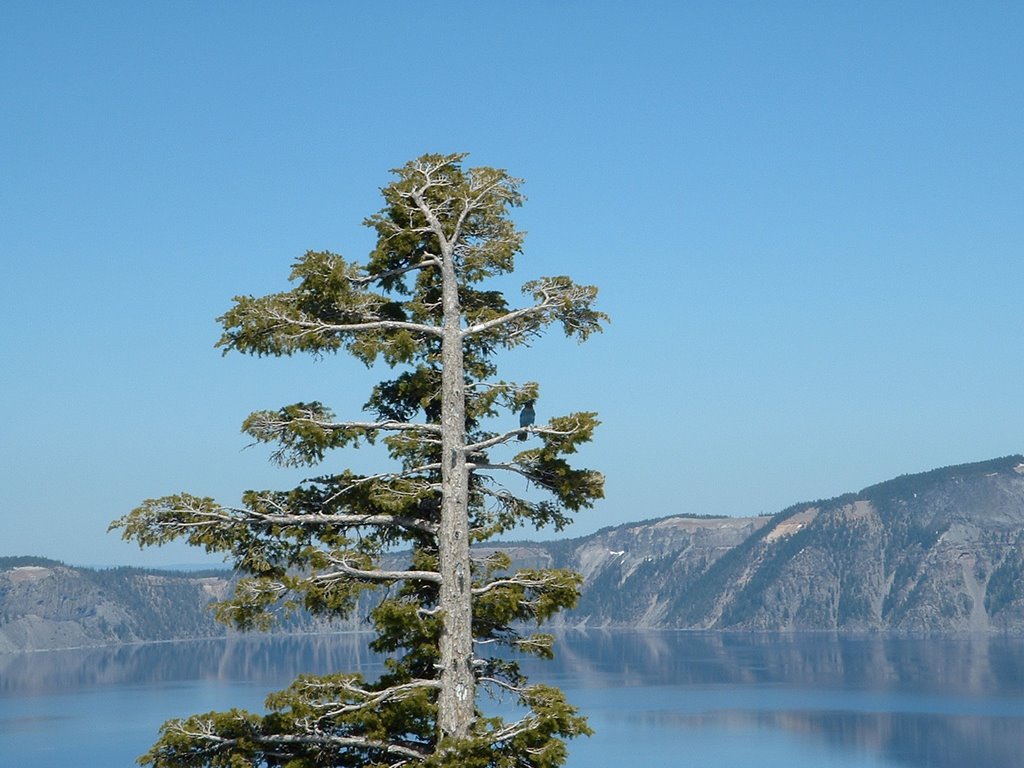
[(346, 520), (505, 437), (369, 698), (217, 743), (369, 325), (269, 420), (346, 570), (507, 318), (503, 684), (506, 466), (220, 515), (355, 742), (389, 425), (514, 582)]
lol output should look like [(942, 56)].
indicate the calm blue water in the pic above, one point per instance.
[(673, 699)]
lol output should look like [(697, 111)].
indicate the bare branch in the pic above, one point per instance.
[(370, 698), (318, 326), (505, 437), (506, 466), (511, 730), (550, 299), (507, 318), (389, 425), (347, 520), (558, 299), (309, 416), (432, 261), (503, 684), (435, 224), (347, 570), (389, 476), (206, 732), (514, 582), (219, 515)]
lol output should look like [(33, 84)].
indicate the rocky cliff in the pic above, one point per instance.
[(934, 552), (45, 604)]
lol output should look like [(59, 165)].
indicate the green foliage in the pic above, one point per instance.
[(322, 545)]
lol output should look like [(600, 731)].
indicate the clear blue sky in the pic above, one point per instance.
[(806, 220)]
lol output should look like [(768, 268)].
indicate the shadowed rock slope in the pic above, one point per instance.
[(934, 552)]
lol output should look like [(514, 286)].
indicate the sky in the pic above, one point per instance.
[(805, 219)]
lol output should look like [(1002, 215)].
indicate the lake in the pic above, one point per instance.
[(707, 700)]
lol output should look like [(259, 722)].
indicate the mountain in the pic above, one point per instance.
[(939, 551), (45, 604)]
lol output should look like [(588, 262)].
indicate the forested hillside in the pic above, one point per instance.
[(46, 604)]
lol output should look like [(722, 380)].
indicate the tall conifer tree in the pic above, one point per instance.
[(448, 423)]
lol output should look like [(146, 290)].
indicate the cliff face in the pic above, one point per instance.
[(634, 575), (935, 552), (45, 605), (941, 551)]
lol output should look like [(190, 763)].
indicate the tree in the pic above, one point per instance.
[(403, 539)]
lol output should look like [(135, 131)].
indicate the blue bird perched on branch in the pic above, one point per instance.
[(526, 417)]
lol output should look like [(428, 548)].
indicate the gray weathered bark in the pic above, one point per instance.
[(456, 701)]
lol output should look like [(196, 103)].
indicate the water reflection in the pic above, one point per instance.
[(935, 703), (957, 665), (256, 659), (875, 701), (909, 739)]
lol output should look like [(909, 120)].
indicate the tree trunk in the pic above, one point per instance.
[(457, 699)]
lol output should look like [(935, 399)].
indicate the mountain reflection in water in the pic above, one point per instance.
[(916, 702), (675, 698), (954, 665), (274, 660)]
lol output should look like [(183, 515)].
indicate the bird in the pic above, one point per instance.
[(526, 417)]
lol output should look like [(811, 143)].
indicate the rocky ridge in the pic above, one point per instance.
[(939, 551), (934, 552)]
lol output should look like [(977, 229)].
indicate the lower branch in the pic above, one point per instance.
[(347, 570), (368, 698), (214, 743)]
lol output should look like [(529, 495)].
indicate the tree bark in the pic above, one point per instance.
[(456, 700)]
